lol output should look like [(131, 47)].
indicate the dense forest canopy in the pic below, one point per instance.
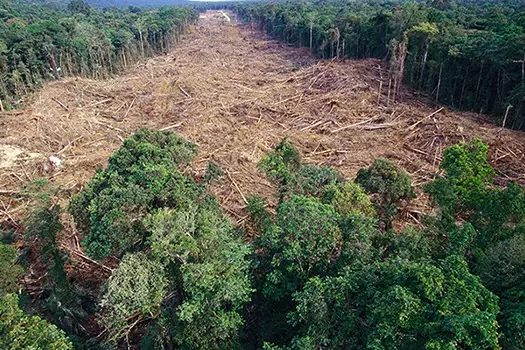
[(467, 54), (325, 270), (139, 3)]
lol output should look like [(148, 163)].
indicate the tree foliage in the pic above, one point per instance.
[(398, 304), (495, 228), (322, 270), (341, 281), (284, 167), (391, 184), (9, 269), (349, 199), (467, 176), (185, 269), (136, 288), (145, 173), (19, 331)]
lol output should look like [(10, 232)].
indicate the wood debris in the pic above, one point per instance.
[(236, 93)]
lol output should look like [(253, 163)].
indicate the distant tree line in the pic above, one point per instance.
[(467, 54), (40, 43), (138, 3)]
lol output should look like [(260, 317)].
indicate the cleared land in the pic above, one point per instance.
[(236, 93)]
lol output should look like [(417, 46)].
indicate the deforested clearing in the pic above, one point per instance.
[(235, 93)]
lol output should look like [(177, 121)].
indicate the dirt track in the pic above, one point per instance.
[(236, 93)]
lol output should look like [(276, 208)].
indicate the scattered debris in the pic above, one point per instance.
[(236, 93)]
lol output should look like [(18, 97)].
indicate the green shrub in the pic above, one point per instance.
[(391, 184), (302, 240), (386, 179), (217, 290), (9, 269), (135, 289), (283, 166), (324, 265), (157, 335), (491, 230), (349, 199), (467, 174), (279, 163), (499, 214), (213, 172), (313, 179), (19, 331), (259, 218), (43, 223), (148, 146), (409, 244), (359, 235), (216, 284), (466, 192)]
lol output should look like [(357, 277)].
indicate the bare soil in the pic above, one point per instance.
[(236, 93)]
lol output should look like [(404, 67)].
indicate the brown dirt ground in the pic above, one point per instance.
[(236, 93)]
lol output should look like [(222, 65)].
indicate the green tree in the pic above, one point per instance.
[(19, 331), (39, 42), (502, 269), (9, 269), (391, 184), (467, 54), (185, 269), (283, 166), (134, 291), (304, 243), (493, 230), (349, 199), (398, 304), (467, 176), (143, 174), (210, 274), (79, 6)]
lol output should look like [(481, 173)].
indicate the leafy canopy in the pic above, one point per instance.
[(185, 269), (9, 269), (389, 183), (144, 174), (19, 331), (341, 281)]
